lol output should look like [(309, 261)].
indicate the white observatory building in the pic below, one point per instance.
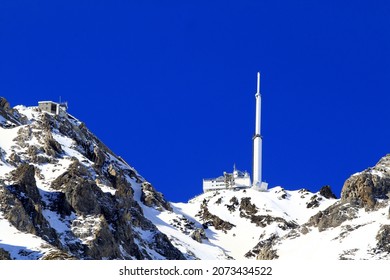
[(238, 179), (235, 180)]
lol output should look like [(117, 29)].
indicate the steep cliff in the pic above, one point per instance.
[(63, 188)]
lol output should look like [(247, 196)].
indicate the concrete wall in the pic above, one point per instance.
[(53, 108), (47, 107), (210, 185)]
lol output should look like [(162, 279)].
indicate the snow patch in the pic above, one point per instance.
[(21, 246), (86, 227)]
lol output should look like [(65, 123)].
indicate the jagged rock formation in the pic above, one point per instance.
[(58, 256), (233, 204), (362, 190), (150, 197), (333, 216), (199, 235), (22, 205), (8, 116), (65, 195), (369, 186), (360, 217), (63, 185), (4, 255), (326, 192), (263, 250), (209, 219), (383, 238), (247, 209)]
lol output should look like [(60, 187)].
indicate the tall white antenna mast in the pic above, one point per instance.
[(258, 144)]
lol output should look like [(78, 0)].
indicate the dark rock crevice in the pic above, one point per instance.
[(150, 197), (22, 205), (333, 216), (4, 255), (326, 191), (212, 220), (264, 249)]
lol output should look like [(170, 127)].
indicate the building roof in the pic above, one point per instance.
[(47, 102)]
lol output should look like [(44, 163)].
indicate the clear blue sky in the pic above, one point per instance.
[(169, 85)]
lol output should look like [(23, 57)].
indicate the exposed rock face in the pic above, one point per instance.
[(163, 246), (103, 246), (4, 255), (247, 208), (99, 157), (152, 198), (51, 146), (4, 105), (266, 253), (314, 202), (84, 198), (333, 216), (326, 192), (58, 256), (89, 191), (11, 116), (213, 220), (233, 204), (199, 235), (24, 178), (383, 238), (265, 220), (362, 209), (81, 201), (184, 225), (263, 250), (15, 212), (361, 190), (364, 189), (120, 211), (367, 187), (22, 205)]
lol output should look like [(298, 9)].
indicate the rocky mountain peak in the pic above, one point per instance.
[(4, 104), (9, 117), (61, 184), (370, 186), (327, 192), (65, 195)]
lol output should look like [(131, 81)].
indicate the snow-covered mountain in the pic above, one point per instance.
[(65, 195)]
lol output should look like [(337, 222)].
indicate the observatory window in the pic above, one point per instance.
[(53, 107)]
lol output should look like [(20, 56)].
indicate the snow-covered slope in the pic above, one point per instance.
[(65, 195), (354, 239), (252, 214), (357, 226)]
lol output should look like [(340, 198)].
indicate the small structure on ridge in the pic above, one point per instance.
[(59, 109)]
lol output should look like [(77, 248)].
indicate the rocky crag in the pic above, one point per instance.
[(61, 184), (66, 195), (355, 227)]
